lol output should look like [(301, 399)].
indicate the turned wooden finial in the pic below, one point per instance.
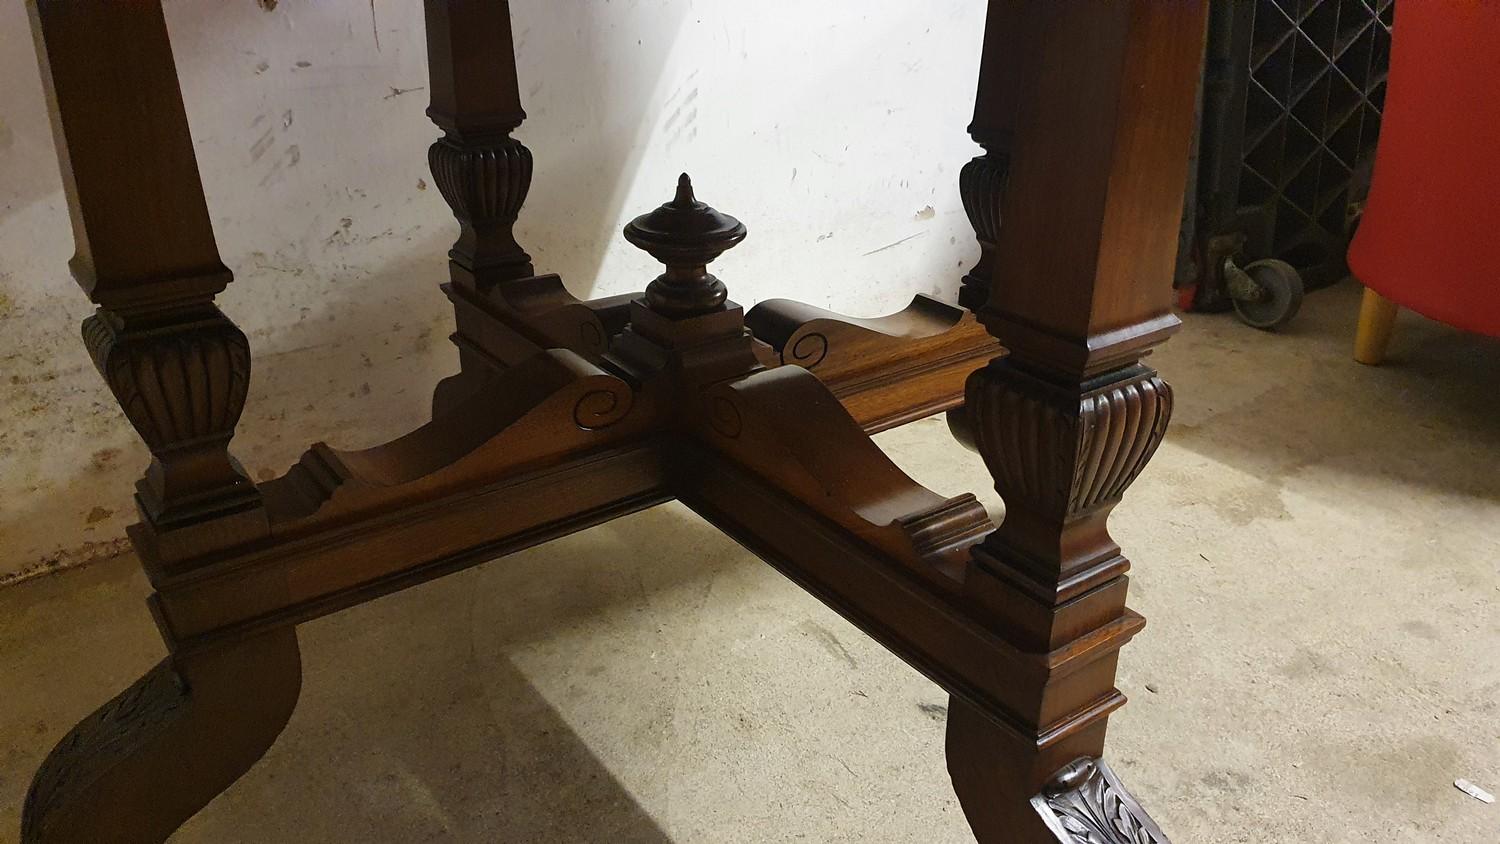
[(686, 235)]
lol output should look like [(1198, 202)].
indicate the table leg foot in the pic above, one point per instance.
[(1008, 795), (145, 762), (1085, 803)]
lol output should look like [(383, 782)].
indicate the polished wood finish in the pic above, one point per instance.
[(146, 256), (152, 757), (1377, 319), (567, 413), (888, 370), (1091, 107)]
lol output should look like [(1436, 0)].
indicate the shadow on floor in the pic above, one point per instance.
[(415, 723)]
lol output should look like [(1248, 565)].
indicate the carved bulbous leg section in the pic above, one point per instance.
[(181, 375), (145, 762), (981, 186), (485, 182), (1062, 455)]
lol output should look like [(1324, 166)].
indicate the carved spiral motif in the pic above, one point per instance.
[(1066, 454), (591, 336), (724, 417), (600, 408), (487, 182), (808, 351)]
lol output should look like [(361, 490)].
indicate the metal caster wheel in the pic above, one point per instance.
[(1266, 293)]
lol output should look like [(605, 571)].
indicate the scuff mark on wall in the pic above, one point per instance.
[(262, 145), (892, 245)]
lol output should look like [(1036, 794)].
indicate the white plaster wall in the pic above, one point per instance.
[(832, 128)]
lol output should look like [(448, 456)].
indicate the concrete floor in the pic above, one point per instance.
[(1315, 546)]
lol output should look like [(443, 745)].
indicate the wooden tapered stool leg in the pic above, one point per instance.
[(133, 771), (1377, 316)]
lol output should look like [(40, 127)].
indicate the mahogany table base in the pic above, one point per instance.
[(567, 413)]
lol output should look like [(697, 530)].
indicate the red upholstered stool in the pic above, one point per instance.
[(1428, 237)]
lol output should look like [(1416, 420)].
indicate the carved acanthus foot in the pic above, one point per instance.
[(133, 771), (1085, 803)]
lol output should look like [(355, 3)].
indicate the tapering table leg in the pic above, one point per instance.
[(146, 256), (1085, 113), (138, 767), (505, 312)]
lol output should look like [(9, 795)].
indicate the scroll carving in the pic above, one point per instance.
[(601, 408), (808, 351), (1086, 804)]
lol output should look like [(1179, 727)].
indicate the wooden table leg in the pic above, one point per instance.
[(482, 171), (163, 748), (1089, 111), (180, 369), (146, 256), (505, 311)]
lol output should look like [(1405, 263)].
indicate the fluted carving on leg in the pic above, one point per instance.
[(1064, 452), (485, 182), (1062, 455), (981, 186), (181, 375)]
